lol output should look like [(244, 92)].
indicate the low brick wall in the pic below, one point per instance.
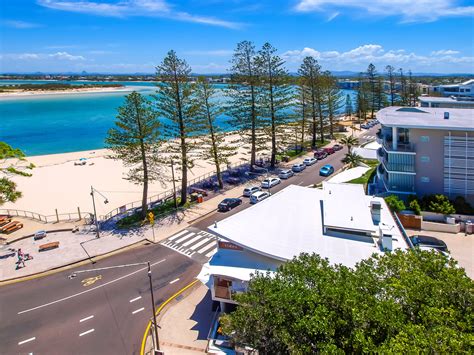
[(410, 221)]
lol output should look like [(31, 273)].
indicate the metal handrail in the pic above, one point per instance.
[(54, 218)]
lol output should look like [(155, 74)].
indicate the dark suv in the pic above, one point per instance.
[(228, 204), (426, 241), (320, 154)]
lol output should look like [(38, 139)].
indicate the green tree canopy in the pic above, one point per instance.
[(12, 162), (413, 301)]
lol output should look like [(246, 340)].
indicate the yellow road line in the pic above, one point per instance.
[(147, 329)]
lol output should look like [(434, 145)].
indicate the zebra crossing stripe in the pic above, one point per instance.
[(185, 237), (206, 248), (178, 235), (202, 242), (212, 252), (192, 240)]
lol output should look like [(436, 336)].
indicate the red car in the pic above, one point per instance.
[(329, 150)]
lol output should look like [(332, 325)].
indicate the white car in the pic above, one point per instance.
[(270, 182), (259, 196), (298, 167), (285, 174), (310, 161), (248, 191)]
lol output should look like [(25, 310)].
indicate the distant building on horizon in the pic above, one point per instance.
[(446, 102), (461, 90)]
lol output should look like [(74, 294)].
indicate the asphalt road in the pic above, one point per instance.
[(58, 315), (106, 312)]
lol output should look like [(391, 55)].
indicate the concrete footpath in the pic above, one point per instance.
[(83, 245), (184, 323)]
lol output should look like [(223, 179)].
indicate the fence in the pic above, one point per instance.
[(404, 233), (54, 218), (163, 196)]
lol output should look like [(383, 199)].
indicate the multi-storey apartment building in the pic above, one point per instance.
[(426, 151)]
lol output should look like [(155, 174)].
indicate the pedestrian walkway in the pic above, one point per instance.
[(193, 243)]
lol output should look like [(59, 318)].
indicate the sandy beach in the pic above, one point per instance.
[(23, 93), (59, 184)]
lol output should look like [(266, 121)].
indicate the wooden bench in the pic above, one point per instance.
[(199, 191), (7, 226), (13, 228), (4, 221), (49, 246)]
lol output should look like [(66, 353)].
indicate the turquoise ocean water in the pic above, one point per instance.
[(63, 123)]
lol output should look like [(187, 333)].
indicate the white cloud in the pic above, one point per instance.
[(45, 56), (20, 24), (358, 59), (127, 8), (408, 10), (445, 52)]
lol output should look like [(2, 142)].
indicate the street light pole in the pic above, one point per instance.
[(148, 268), (95, 214), (153, 307), (95, 211)]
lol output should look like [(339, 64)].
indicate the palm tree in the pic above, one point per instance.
[(350, 141), (352, 160)]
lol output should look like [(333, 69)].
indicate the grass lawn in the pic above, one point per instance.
[(364, 179), (135, 220)]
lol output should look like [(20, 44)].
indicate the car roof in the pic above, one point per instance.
[(259, 193), (428, 239)]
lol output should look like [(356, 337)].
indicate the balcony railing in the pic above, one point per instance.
[(401, 147), (396, 167)]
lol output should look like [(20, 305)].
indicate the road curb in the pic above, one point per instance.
[(158, 311), (74, 264)]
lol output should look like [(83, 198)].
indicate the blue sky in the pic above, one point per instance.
[(127, 36)]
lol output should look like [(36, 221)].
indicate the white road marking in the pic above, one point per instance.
[(192, 240), (135, 299), (91, 289), (26, 341), (195, 246), (185, 237), (138, 310), (206, 247), (87, 332), (178, 235), (84, 319), (175, 280), (212, 252)]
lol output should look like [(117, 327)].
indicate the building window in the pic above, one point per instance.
[(424, 139), (425, 179), (468, 90), (425, 159)]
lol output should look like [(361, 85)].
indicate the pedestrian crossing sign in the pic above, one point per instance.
[(151, 218)]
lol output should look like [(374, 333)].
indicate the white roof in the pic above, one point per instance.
[(444, 99), (427, 118), (290, 223), (344, 207)]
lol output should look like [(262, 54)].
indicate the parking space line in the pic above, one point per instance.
[(175, 280), (26, 341), (138, 310), (87, 332), (84, 319)]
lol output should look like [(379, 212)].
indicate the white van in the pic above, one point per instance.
[(258, 196)]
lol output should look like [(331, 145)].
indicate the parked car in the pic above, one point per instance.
[(427, 241), (337, 147), (310, 161), (326, 170), (270, 182), (329, 151), (298, 167), (229, 203), (320, 154), (248, 191), (259, 196), (231, 180), (364, 126), (285, 174)]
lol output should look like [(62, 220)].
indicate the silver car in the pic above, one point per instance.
[(298, 167), (248, 191), (310, 161), (285, 174)]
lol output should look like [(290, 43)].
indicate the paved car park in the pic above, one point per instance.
[(460, 246)]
